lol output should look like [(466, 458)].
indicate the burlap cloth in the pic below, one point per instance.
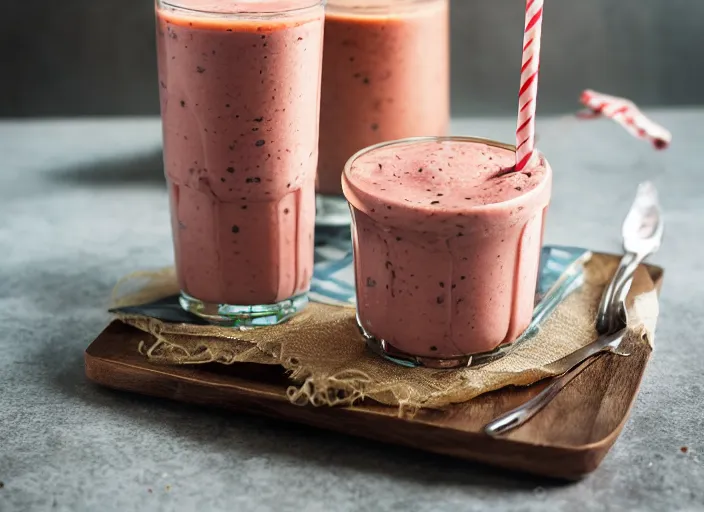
[(329, 364)]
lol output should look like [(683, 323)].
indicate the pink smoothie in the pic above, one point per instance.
[(447, 243), (239, 101), (385, 77)]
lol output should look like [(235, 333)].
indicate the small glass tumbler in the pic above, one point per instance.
[(447, 242)]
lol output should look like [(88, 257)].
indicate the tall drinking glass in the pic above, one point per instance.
[(240, 94), (386, 76)]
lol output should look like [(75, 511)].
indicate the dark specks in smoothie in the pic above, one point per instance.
[(398, 239), (286, 211), (357, 75), (528, 174), (518, 188), (183, 103), (439, 195), (420, 170), (258, 119), (440, 299), (433, 348), (230, 170), (366, 80), (260, 143), (381, 167), (222, 179), (463, 278), (200, 69), (388, 207), (300, 39), (434, 202), (388, 264), (235, 229), (442, 285), (244, 206), (253, 180), (375, 126), (227, 105)]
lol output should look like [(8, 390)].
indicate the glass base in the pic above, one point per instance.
[(391, 353), (229, 315), (332, 211)]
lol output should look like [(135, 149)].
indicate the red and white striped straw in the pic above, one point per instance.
[(628, 115), (528, 93)]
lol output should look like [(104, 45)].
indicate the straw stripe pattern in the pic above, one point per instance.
[(528, 92), (628, 115)]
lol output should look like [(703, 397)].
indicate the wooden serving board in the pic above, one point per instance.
[(568, 439)]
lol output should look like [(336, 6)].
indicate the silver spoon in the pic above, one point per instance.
[(642, 235)]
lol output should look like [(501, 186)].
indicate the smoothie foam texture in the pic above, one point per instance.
[(329, 363)]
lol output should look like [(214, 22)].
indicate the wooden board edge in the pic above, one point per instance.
[(573, 462)]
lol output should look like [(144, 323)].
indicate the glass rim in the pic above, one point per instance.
[(348, 183), (174, 5)]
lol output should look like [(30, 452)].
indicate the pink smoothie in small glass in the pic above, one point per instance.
[(447, 243), (240, 95)]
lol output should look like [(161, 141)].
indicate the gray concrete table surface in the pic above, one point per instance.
[(82, 202)]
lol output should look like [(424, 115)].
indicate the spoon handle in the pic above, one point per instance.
[(624, 273), (518, 416)]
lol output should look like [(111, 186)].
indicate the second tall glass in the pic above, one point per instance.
[(386, 76), (240, 94)]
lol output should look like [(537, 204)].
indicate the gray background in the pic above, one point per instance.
[(90, 57), (83, 203)]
